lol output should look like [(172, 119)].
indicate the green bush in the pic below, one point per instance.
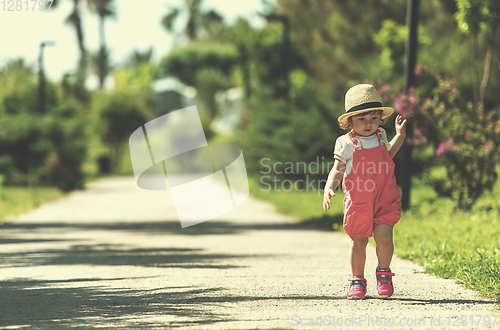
[(66, 129), (35, 148), (186, 62), (119, 115), (302, 130), (449, 131)]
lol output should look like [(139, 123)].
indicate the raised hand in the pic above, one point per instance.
[(400, 125)]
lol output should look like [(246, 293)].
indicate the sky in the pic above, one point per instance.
[(137, 26)]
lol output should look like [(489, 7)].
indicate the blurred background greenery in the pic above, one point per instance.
[(276, 90)]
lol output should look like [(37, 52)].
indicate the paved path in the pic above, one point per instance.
[(115, 256)]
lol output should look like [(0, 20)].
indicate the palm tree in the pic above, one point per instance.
[(137, 57), (104, 9), (198, 20), (75, 20)]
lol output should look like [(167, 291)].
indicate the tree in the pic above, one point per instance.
[(119, 115), (15, 74), (475, 17), (137, 57), (337, 42), (75, 20), (198, 21), (39, 148), (241, 35), (100, 60), (204, 66)]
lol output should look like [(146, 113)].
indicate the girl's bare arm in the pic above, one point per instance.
[(400, 136), (334, 178)]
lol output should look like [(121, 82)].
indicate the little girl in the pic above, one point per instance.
[(363, 159)]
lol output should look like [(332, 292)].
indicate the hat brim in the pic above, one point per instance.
[(387, 112)]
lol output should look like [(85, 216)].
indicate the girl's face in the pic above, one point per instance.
[(365, 124)]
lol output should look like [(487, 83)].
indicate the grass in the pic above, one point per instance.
[(17, 200), (449, 243)]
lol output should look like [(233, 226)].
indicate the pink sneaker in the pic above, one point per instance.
[(357, 289), (385, 288)]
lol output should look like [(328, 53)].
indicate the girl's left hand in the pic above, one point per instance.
[(400, 125)]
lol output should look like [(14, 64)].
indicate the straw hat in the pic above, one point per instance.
[(363, 98)]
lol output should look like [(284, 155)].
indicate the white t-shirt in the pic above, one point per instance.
[(344, 149)]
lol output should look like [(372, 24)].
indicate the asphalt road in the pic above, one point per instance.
[(115, 256)]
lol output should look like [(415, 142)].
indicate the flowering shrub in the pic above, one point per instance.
[(464, 138)]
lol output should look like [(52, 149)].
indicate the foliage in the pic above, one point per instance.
[(199, 23), (101, 64), (137, 57), (185, 62), (292, 131), (461, 245), (119, 115), (337, 43), (46, 149), (66, 129), (138, 81), (477, 17), (474, 16), (391, 38), (205, 66), (465, 138), (100, 61), (17, 200)]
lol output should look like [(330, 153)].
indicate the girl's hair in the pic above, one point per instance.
[(371, 112)]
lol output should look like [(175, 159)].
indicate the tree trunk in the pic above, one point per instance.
[(102, 58), (82, 63), (487, 67), (475, 75)]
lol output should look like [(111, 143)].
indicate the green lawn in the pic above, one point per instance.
[(449, 243), (16, 200)]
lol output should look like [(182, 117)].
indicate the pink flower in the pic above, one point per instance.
[(468, 135), (398, 104), (418, 69), (440, 149), (386, 99), (384, 89), (411, 97), (379, 81), (443, 146), (488, 145)]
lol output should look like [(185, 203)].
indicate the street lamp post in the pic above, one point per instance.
[(411, 58), (41, 77)]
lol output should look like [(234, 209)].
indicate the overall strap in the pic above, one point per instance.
[(355, 141), (380, 136)]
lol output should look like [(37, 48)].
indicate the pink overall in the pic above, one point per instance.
[(371, 194)]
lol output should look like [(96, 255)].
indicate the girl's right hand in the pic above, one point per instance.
[(326, 199)]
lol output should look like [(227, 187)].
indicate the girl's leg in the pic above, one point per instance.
[(358, 255), (382, 234)]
